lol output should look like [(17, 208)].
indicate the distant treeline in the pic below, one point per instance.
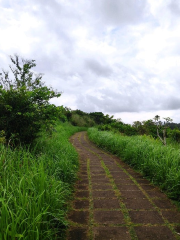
[(174, 125), (109, 123)]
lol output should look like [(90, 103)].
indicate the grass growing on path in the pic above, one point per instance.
[(160, 164), (35, 186)]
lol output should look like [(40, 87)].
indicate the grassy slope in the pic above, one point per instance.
[(160, 164), (35, 186)]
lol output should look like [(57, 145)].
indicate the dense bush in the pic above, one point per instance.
[(174, 135), (81, 120), (118, 126), (24, 102)]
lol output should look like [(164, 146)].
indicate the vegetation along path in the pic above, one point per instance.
[(114, 202)]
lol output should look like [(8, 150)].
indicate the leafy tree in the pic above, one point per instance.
[(24, 102), (148, 128), (137, 124), (100, 118), (174, 135)]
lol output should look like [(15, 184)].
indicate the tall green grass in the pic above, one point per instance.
[(158, 163), (35, 187)]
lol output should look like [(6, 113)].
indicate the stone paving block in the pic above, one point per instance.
[(144, 217), (154, 233), (83, 181), (100, 176), (156, 194), (83, 172), (82, 194), (142, 181), (83, 176), (93, 168), (134, 174), (148, 187), (103, 194), (95, 165), (109, 161), (138, 204), (116, 171), (123, 178), (100, 181), (108, 217), (120, 181), (81, 187), (171, 216), (120, 175), (111, 233), (77, 234), (110, 165), (83, 168), (132, 194), (128, 187), (106, 203), (97, 171), (106, 158), (81, 204), (113, 168), (80, 217), (163, 203), (101, 187)]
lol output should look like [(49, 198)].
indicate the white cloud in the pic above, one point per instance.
[(118, 57)]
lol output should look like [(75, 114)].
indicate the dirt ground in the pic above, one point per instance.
[(113, 202)]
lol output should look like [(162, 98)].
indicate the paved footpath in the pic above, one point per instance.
[(113, 202)]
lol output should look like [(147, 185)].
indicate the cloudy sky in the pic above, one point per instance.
[(120, 57)]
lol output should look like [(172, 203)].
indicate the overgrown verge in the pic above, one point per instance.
[(158, 163), (35, 186)]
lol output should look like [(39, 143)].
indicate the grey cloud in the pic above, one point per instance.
[(174, 7), (121, 12), (172, 103), (111, 105), (98, 68)]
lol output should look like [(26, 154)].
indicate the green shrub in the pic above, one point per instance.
[(105, 127), (174, 135), (24, 102), (81, 121)]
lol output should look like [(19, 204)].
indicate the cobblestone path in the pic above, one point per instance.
[(113, 202)]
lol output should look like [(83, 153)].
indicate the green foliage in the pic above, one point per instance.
[(36, 186), (81, 121), (160, 164), (100, 118), (105, 127), (149, 128), (174, 135), (118, 126), (24, 102), (2, 137)]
